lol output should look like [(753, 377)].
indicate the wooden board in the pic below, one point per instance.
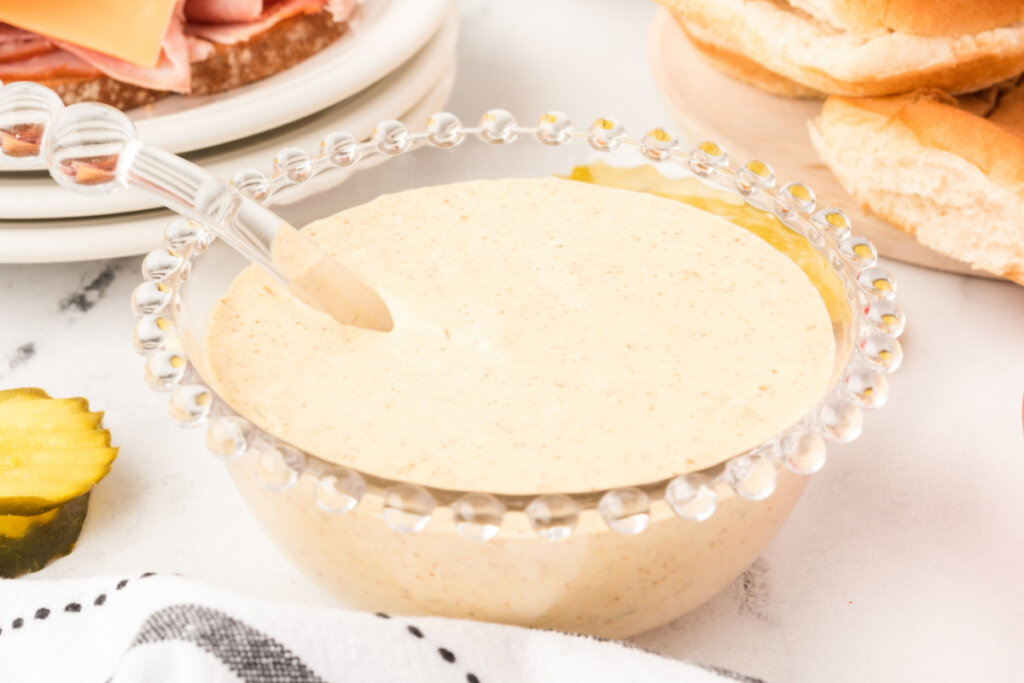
[(751, 124)]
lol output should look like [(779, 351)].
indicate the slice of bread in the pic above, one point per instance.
[(951, 172), (807, 48), (284, 45)]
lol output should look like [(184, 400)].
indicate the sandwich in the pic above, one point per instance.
[(807, 48), (129, 53), (949, 170)]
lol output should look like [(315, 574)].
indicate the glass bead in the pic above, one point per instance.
[(160, 263), (753, 476), (227, 438), (606, 135), (841, 419), (797, 196), (407, 508), (150, 297), (294, 164), (753, 176), (478, 516), (554, 128), (181, 232), (164, 369), (658, 145), (878, 282), (886, 316), (706, 157), (553, 517), (858, 251), (25, 112), (253, 183), (803, 452), (150, 333), (341, 149), (339, 490), (627, 511), (190, 405), (85, 144), (498, 127), (692, 497), (868, 387), (882, 351), (833, 223), (444, 130), (391, 137), (278, 467)]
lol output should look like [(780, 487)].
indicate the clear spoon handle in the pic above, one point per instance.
[(94, 149)]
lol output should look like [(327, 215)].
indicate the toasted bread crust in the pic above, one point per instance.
[(284, 45)]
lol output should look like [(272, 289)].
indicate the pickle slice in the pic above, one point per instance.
[(26, 394), (52, 451), (53, 406), (57, 421), (29, 543), (21, 438)]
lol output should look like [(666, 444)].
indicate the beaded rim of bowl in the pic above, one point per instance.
[(869, 289)]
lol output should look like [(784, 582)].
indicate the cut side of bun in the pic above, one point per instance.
[(280, 47), (933, 168), (807, 48), (746, 70)]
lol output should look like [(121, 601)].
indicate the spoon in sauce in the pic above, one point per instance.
[(94, 149)]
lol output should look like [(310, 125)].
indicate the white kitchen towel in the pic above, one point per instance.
[(163, 629)]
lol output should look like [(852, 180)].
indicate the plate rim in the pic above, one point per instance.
[(151, 222), (21, 197), (379, 43)]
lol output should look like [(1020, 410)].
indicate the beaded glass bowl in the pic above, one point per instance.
[(611, 562)]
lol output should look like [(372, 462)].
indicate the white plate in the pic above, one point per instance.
[(383, 35), (99, 237), (35, 196)]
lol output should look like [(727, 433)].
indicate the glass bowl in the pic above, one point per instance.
[(610, 563)]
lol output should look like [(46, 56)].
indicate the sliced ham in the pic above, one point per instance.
[(173, 71), (198, 49), (16, 50), (53, 64), (229, 34), (16, 44), (29, 56), (341, 10), (223, 11)]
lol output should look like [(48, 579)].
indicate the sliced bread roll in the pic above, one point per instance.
[(744, 69), (949, 171), (870, 48)]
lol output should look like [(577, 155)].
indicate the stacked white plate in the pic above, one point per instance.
[(397, 61)]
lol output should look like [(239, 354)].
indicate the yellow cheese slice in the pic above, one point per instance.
[(131, 30)]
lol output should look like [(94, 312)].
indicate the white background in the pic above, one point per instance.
[(902, 562)]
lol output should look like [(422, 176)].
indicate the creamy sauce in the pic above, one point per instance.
[(548, 336)]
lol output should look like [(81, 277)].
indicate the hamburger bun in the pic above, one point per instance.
[(746, 70), (949, 171), (853, 48), (281, 46)]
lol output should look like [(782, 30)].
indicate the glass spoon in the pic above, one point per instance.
[(94, 149)]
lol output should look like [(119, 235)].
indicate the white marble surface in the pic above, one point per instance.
[(902, 563)]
